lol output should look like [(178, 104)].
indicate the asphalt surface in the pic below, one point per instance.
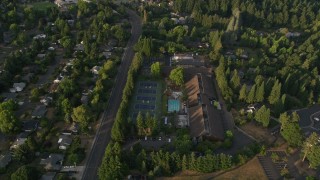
[(103, 135)]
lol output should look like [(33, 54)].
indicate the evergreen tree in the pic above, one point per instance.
[(260, 93), (290, 129), (140, 124), (311, 150), (235, 80), (251, 96), (243, 93), (275, 93), (263, 116)]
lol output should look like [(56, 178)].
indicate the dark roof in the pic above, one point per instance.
[(53, 162), (30, 125), (39, 111), (204, 119)]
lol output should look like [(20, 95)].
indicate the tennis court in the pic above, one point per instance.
[(148, 84), (146, 98), (147, 91)]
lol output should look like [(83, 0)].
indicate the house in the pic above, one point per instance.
[(5, 159), (8, 37), (21, 139), (58, 80), (53, 162), (8, 96), (95, 70), (175, 20), (39, 111), (27, 78), (70, 22), (46, 100), (48, 176), (74, 128), (64, 142), (18, 87), (252, 108), (79, 47), (292, 34), (41, 56), (84, 99), (107, 55), (51, 48), (30, 125), (66, 132), (40, 36), (186, 60), (53, 88), (64, 3), (205, 121)]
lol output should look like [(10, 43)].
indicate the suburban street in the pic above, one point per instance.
[(103, 135)]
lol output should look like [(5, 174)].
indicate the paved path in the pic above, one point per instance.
[(103, 135)]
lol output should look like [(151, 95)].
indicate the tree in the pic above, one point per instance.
[(111, 168), (176, 75), (263, 116), (8, 122), (116, 132), (290, 129), (140, 124), (275, 93), (235, 80), (82, 115), (25, 173), (156, 69), (251, 96), (67, 87), (260, 93), (311, 150), (243, 93)]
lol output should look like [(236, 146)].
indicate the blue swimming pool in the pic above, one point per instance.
[(173, 105)]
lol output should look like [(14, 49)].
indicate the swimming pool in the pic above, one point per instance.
[(173, 105)]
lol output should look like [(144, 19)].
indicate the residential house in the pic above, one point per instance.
[(252, 108), (79, 47), (27, 78), (41, 56), (107, 55), (51, 48), (95, 70), (8, 37), (40, 36), (53, 162), (39, 111), (64, 142), (21, 139), (84, 99), (293, 34), (30, 125), (70, 22), (5, 159), (205, 121), (46, 100), (74, 128), (8, 96), (64, 3), (48, 176), (18, 87), (58, 80)]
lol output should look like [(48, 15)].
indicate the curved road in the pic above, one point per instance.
[(103, 135)]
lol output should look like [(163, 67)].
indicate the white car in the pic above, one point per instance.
[(316, 118)]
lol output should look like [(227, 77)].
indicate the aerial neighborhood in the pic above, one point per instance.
[(146, 89)]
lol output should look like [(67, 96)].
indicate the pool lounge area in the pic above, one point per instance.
[(173, 105)]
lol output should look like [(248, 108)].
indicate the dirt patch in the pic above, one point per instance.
[(250, 170), (258, 132)]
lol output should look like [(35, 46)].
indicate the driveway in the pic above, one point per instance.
[(103, 135)]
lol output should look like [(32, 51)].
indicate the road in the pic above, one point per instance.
[(103, 135)]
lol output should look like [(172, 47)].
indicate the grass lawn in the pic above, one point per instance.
[(42, 6)]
